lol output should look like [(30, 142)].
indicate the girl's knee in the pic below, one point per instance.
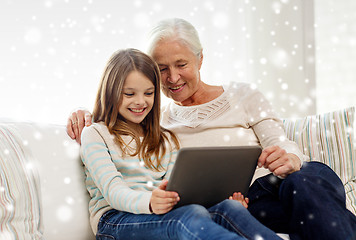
[(190, 221), (230, 204), (227, 207), (192, 211)]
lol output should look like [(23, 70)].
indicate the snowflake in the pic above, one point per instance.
[(226, 138), (33, 36), (258, 237), (64, 213), (220, 20), (9, 207), (6, 151), (67, 180)]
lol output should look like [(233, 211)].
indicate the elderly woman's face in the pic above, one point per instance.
[(179, 68)]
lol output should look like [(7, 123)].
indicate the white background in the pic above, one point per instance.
[(300, 53)]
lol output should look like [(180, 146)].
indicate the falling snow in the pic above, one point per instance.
[(258, 237), (64, 213), (72, 148), (227, 138), (149, 183), (67, 180), (55, 48)]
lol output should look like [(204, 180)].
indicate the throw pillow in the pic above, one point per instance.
[(350, 189), (20, 203), (329, 138)]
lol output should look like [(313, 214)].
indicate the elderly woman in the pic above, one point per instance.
[(305, 200)]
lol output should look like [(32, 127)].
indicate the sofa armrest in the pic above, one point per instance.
[(64, 198)]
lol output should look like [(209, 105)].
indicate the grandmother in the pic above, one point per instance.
[(305, 200)]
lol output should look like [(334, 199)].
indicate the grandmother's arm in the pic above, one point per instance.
[(280, 155)]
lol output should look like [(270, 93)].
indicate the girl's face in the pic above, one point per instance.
[(137, 97)]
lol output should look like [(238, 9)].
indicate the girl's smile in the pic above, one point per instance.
[(137, 110)]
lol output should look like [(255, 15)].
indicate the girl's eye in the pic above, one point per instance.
[(149, 93), (128, 94)]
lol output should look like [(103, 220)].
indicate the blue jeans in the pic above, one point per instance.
[(308, 204), (226, 220)]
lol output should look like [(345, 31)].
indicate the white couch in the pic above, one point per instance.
[(52, 164), (42, 191)]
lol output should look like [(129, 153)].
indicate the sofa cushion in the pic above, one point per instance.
[(329, 138), (20, 198)]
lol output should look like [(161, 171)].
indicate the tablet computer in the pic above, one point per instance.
[(209, 175)]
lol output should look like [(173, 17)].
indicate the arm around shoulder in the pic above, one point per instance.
[(76, 122)]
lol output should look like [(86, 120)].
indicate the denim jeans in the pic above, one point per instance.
[(226, 220), (308, 204)]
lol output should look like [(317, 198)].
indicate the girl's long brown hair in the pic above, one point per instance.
[(106, 108)]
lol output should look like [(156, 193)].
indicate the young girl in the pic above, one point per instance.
[(128, 156)]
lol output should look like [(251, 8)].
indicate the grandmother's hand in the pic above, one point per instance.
[(76, 122), (278, 161)]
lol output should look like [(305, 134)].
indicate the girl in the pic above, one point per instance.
[(128, 156)]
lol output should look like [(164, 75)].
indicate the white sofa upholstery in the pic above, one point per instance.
[(64, 199), (48, 198)]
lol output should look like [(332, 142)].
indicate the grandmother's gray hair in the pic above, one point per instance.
[(175, 29)]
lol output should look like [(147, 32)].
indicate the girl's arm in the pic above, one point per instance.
[(109, 181)]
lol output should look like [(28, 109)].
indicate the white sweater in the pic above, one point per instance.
[(239, 116)]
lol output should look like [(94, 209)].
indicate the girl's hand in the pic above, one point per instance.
[(239, 197), (163, 201)]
